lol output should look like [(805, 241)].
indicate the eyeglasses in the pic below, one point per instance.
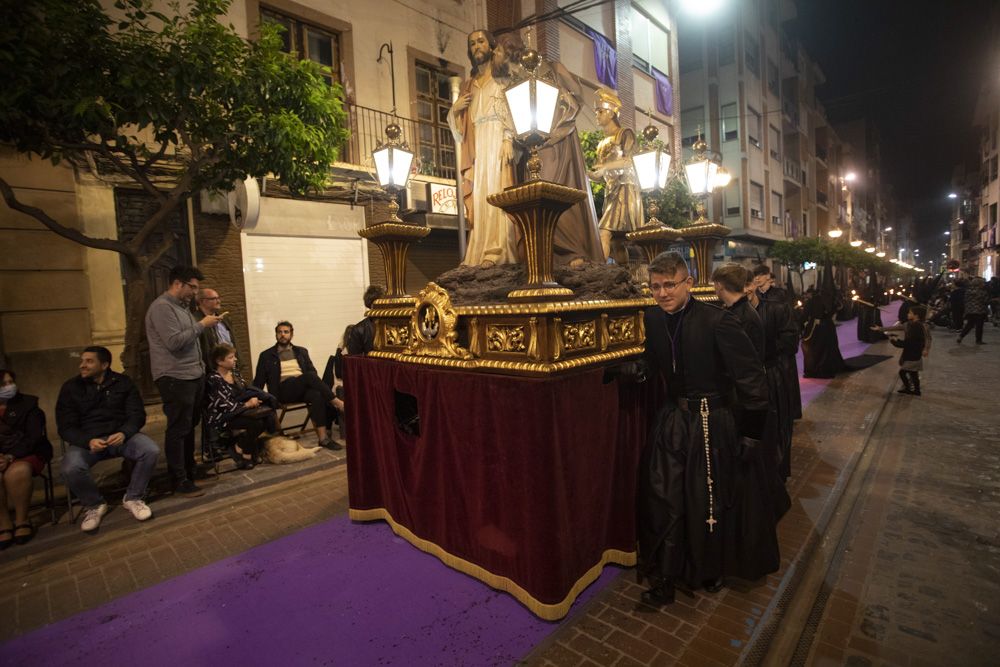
[(669, 285)]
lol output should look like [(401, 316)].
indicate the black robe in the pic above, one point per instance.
[(714, 359), (781, 341), (820, 347), (787, 361)]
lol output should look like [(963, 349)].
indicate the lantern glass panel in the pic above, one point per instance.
[(699, 176), (546, 98), (519, 101)]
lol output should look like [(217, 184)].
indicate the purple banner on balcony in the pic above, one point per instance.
[(663, 92), (605, 59)]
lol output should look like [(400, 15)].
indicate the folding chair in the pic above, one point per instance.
[(286, 408)]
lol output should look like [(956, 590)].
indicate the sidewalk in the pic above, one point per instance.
[(79, 572), (229, 484)]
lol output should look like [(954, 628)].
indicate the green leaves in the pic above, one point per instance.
[(141, 80)]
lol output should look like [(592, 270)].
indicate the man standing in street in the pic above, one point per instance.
[(100, 414), (286, 371), (178, 370), (692, 529)]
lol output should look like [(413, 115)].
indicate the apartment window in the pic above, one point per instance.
[(731, 196), (993, 168), (775, 209), (753, 127), (435, 145), (730, 122), (774, 142), (773, 80), (689, 51), (593, 16), (691, 120), (650, 43), (756, 200), (726, 45), (751, 53), (308, 42), (993, 214)]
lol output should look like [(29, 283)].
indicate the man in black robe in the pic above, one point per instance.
[(788, 364), (781, 341), (690, 529)]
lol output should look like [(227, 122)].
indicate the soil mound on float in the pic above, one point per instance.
[(477, 286)]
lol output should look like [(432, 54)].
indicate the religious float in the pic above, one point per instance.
[(488, 434)]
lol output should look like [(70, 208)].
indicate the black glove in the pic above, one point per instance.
[(632, 371)]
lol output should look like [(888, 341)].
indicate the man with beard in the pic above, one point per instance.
[(480, 122), (691, 528), (175, 359)]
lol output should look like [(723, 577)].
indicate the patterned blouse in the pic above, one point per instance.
[(222, 401)]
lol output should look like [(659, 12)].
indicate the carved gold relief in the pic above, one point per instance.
[(505, 338), (579, 336), (621, 330), (435, 323), (397, 335), (474, 337)]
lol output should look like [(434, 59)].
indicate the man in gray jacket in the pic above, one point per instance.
[(178, 370)]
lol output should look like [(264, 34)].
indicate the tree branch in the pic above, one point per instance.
[(66, 232), (169, 239)]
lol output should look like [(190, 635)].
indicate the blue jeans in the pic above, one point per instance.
[(77, 462)]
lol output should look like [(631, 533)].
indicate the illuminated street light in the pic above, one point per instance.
[(702, 7), (887, 229), (835, 233), (880, 253), (850, 177), (870, 249), (947, 233), (856, 243), (952, 195)]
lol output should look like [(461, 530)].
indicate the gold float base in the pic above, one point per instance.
[(537, 338)]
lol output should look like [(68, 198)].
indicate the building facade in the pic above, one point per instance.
[(303, 261)]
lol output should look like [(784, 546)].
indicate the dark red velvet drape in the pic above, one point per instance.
[(531, 481)]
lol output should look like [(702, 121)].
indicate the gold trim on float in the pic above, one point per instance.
[(540, 308), (547, 612), (517, 366), (540, 293)]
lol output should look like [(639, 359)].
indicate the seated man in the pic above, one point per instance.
[(362, 337), (286, 371), (100, 414)]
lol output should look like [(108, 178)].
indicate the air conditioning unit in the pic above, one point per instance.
[(754, 213), (417, 196)]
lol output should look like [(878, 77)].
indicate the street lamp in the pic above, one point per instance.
[(532, 104), (393, 158), (701, 170), (652, 166)]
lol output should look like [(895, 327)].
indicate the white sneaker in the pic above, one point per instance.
[(138, 508), (92, 517)]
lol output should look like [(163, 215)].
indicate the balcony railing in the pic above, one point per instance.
[(793, 170), (367, 127), (821, 197), (821, 153)]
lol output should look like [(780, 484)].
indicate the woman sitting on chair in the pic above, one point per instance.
[(233, 405), (24, 451)]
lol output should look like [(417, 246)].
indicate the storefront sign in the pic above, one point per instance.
[(443, 199)]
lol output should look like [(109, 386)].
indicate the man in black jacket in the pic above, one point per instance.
[(362, 338), (693, 524), (286, 371), (100, 414)]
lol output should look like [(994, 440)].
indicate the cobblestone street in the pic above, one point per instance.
[(912, 580)]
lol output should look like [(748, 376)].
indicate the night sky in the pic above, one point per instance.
[(915, 69)]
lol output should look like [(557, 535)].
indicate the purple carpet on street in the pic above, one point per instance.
[(334, 593)]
